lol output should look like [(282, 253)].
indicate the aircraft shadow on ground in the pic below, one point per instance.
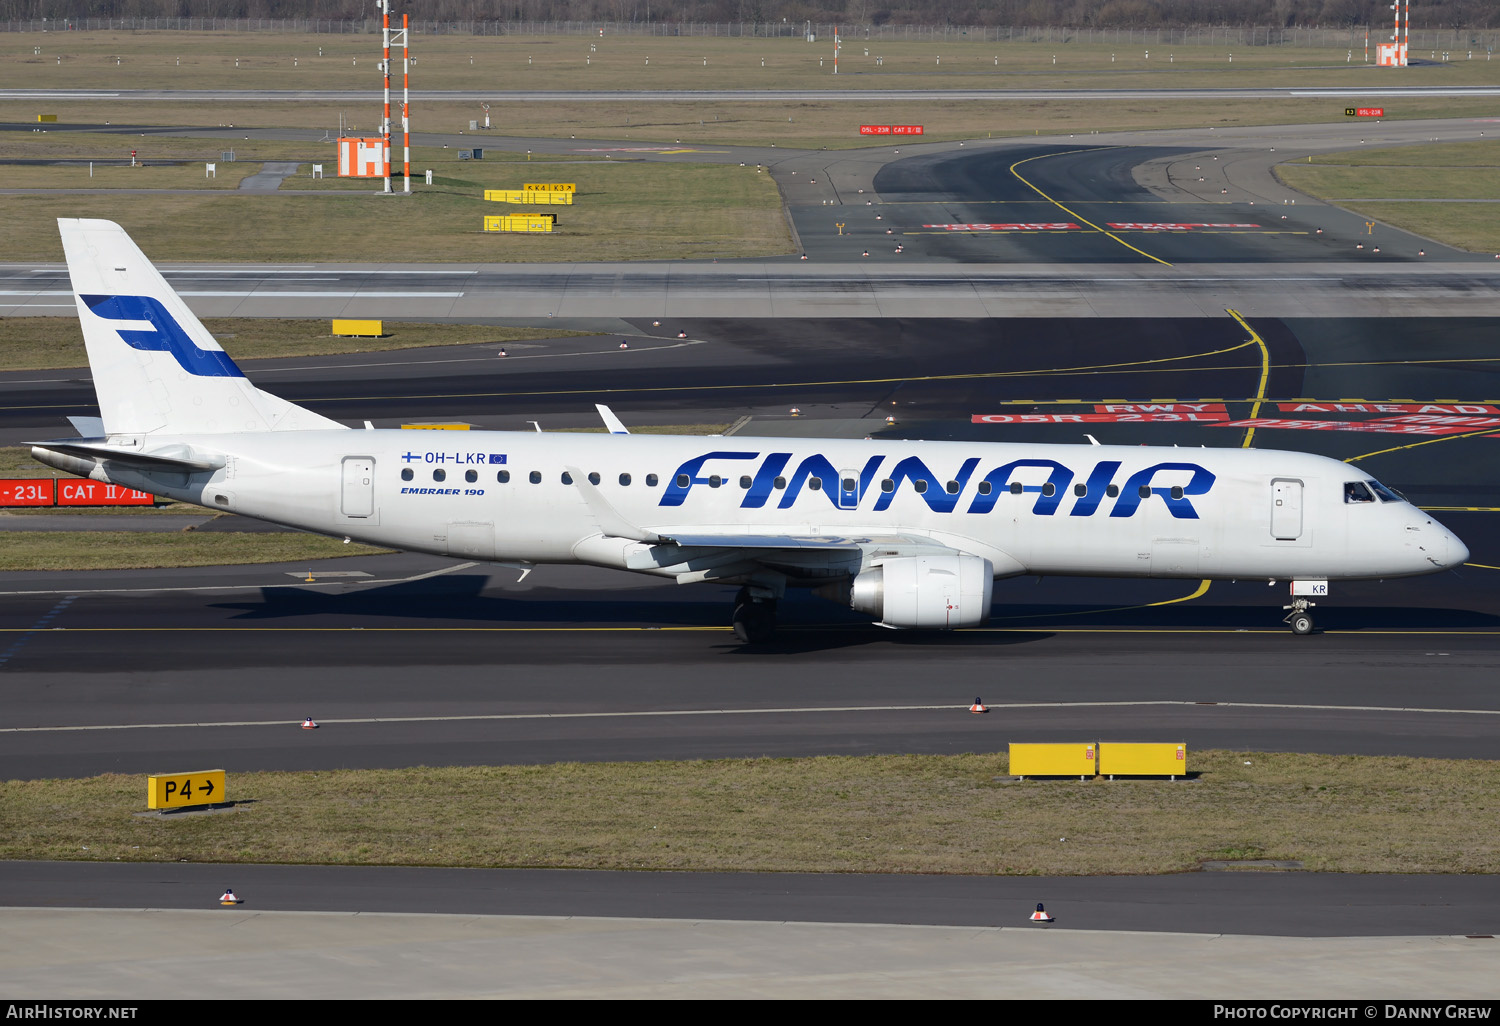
[(809, 623)]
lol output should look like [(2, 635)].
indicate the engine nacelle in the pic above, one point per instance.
[(926, 591)]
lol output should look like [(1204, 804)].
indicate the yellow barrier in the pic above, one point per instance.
[(1154, 759), (180, 790), (519, 222), (358, 328), (550, 186), (1071, 759), (435, 427), (48, 118), (529, 196)]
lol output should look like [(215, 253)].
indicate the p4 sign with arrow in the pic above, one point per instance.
[(178, 790)]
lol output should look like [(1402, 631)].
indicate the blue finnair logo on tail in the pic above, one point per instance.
[(165, 336)]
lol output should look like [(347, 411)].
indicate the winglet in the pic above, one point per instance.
[(610, 420)]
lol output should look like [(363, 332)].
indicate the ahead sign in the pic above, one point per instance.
[(178, 790)]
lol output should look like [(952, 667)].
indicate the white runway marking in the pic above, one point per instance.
[(805, 710)]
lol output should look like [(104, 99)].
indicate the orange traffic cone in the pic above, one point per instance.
[(308, 724), (978, 706), (229, 898), (1040, 915)]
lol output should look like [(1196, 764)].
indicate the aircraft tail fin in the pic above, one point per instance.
[(156, 368)]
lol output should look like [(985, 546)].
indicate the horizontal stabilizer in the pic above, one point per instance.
[(176, 457)]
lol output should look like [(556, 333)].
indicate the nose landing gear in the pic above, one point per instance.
[(1298, 617)]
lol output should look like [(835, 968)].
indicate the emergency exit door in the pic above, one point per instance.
[(1286, 509), (359, 486)]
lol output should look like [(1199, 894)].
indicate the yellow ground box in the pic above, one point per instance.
[(529, 196), (47, 118), (180, 790), (550, 186), (362, 329), (435, 427), (1137, 759), (519, 222), (1070, 759)]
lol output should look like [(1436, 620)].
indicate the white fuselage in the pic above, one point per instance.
[(1027, 508)]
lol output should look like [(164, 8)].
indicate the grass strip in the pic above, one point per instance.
[(876, 814), (42, 343), (1359, 179), (629, 210), (137, 550)]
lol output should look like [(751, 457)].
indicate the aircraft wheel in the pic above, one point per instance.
[(755, 622), (1301, 623)]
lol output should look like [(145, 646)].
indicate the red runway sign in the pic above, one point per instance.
[(1008, 226), (1159, 408), (890, 129), (1172, 226), (1409, 425), (27, 491), (1098, 418), (1364, 112), (1385, 408), (97, 493)]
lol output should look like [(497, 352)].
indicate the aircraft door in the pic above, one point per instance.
[(359, 486), (1286, 509), (848, 489)]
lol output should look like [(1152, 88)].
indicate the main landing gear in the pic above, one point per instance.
[(754, 618)]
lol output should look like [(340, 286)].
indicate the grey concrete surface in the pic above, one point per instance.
[(237, 953)]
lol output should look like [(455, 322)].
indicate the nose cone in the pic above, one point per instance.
[(1457, 551)]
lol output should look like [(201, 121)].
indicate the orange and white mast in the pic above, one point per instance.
[(385, 68), (405, 105)]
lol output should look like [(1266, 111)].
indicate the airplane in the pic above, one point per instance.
[(912, 533)]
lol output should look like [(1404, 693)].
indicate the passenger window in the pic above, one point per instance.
[(815, 483), (1080, 490), (1112, 490), (593, 477), (744, 481), (406, 474), (848, 484), (1144, 491), (536, 477), (650, 480), (1049, 489), (1177, 491), (683, 480), (1355, 491), (624, 479), (985, 488), (503, 477), (471, 476), (1015, 488), (780, 482), (953, 487), (439, 475), (567, 478), (920, 485), (714, 480), (887, 485)]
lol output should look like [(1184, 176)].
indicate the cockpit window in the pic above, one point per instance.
[(1386, 494), (1355, 491)]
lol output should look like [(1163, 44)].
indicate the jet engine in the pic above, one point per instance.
[(940, 591)]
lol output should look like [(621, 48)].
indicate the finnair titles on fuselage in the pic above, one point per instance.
[(913, 533)]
